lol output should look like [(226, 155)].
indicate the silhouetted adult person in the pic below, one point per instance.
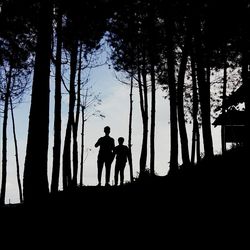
[(122, 154), (105, 155)]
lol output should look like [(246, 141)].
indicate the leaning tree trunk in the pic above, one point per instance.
[(16, 153), (35, 170), (4, 140)]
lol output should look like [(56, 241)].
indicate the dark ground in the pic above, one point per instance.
[(207, 203)]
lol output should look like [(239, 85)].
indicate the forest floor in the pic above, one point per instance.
[(213, 194)]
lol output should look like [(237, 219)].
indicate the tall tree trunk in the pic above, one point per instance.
[(143, 115), (57, 112), (35, 180), (82, 144), (16, 153), (195, 133), (76, 122), (4, 140), (224, 92), (143, 157), (67, 176), (204, 90), (152, 129), (152, 61), (173, 167), (130, 129), (180, 106)]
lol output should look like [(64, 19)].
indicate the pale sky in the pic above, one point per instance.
[(115, 107)]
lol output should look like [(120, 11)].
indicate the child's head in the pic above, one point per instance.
[(120, 140)]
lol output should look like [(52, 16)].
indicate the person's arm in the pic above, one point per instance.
[(98, 143)]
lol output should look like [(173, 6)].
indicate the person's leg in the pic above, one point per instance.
[(122, 167), (108, 167), (116, 173), (100, 163)]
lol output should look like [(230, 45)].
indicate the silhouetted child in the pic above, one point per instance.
[(105, 156), (122, 154)]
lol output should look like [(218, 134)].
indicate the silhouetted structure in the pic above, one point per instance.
[(233, 120), (122, 153), (105, 156)]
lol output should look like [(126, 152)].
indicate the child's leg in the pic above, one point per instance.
[(116, 174), (122, 167)]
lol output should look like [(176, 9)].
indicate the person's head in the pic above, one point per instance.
[(107, 130), (120, 140)]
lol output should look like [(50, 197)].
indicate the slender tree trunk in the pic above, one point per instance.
[(173, 167), (143, 158), (224, 91), (66, 168), (152, 61), (4, 142), (195, 133), (67, 177), (193, 146), (143, 114), (195, 106), (198, 150), (76, 122), (57, 113), (180, 106), (204, 90), (152, 130), (130, 129), (82, 144), (16, 152)]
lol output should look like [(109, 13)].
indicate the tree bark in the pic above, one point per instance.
[(35, 170)]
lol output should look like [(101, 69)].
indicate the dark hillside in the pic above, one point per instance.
[(211, 195), (222, 178)]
